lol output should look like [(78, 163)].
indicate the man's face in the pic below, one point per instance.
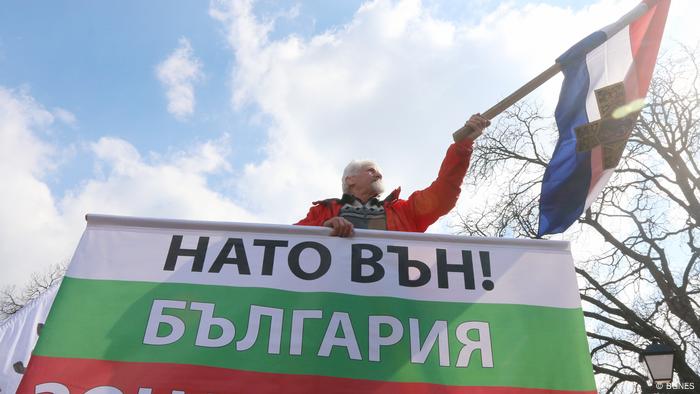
[(367, 181)]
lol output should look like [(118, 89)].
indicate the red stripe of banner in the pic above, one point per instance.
[(80, 375)]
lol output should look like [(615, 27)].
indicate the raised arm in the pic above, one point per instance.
[(429, 204)]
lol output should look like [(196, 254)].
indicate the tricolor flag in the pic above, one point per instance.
[(606, 77)]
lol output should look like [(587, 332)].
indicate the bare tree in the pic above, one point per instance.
[(644, 285), (13, 299)]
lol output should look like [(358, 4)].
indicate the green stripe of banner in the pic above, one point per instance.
[(533, 347)]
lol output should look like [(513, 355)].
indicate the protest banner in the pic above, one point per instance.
[(166, 306)]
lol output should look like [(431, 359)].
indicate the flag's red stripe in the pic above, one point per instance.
[(596, 168), (645, 39), (80, 375)]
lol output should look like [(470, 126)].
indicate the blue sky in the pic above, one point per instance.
[(97, 60), (247, 111)]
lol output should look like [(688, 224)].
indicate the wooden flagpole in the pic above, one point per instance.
[(466, 131)]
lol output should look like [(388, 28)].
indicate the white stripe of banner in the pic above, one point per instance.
[(530, 272)]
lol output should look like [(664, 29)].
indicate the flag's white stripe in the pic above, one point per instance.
[(607, 64), (541, 274), (597, 187)]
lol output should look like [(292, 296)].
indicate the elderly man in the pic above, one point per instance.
[(362, 184)]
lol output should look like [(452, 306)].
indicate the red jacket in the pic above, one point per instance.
[(423, 207)]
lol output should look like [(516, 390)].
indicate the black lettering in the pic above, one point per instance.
[(485, 258), (405, 264), (466, 268), (269, 256), (241, 260), (177, 250), (358, 261), (324, 262)]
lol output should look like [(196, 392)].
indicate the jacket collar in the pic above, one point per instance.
[(349, 199), (394, 195)]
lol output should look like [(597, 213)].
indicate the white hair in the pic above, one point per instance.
[(352, 169)]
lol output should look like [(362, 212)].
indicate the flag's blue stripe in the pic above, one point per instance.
[(578, 52), (568, 176)]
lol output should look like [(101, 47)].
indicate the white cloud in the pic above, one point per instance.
[(31, 234), (679, 27), (41, 228), (173, 187), (64, 116), (178, 74)]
